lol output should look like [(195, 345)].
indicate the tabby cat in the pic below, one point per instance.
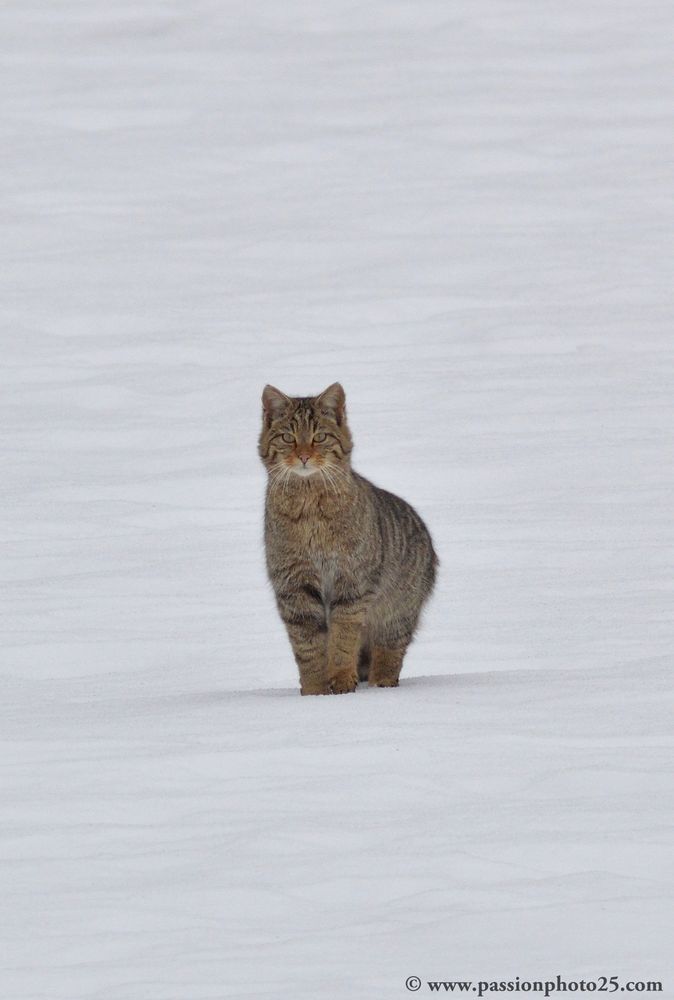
[(351, 565)]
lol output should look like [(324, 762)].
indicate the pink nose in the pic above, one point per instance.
[(304, 459)]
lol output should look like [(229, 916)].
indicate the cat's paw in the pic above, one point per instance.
[(308, 689), (343, 682)]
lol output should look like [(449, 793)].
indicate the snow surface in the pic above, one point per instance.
[(464, 213)]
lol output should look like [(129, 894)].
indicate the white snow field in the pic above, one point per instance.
[(464, 212)]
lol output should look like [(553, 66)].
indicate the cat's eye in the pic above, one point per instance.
[(288, 438), (319, 438)]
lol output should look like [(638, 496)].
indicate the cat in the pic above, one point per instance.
[(351, 565)]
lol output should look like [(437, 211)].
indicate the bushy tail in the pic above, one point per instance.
[(364, 663)]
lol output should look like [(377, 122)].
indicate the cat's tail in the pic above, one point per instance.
[(364, 660)]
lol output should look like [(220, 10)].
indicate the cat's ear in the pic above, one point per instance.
[(332, 401), (274, 403)]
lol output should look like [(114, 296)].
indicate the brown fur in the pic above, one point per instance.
[(351, 565)]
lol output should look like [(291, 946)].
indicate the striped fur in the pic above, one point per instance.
[(351, 565)]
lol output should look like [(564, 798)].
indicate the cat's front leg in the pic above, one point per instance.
[(344, 643), (307, 631)]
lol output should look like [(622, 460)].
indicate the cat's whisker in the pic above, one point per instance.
[(279, 479), (333, 482), (275, 478), (336, 481), (324, 478), (286, 479), (335, 474), (329, 480)]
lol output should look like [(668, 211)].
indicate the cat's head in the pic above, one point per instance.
[(303, 435)]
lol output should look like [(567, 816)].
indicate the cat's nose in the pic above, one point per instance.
[(303, 459)]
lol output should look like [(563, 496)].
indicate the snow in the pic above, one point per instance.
[(462, 212)]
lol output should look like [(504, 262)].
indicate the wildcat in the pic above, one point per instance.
[(351, 565)]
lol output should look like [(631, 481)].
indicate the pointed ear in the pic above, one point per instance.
[(274, 403), (332, 402)]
